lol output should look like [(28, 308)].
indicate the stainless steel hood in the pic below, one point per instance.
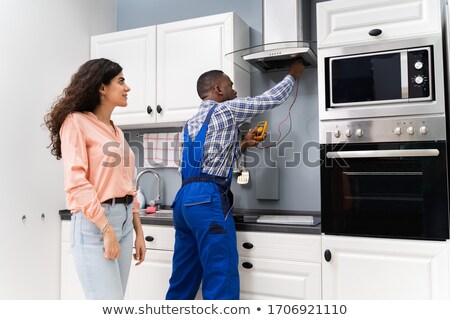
[(286, 36)]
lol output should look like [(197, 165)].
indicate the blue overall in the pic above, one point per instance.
[(205, 234)]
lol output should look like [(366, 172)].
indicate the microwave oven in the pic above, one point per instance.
[(397, 76)]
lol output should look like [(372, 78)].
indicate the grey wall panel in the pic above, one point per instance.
[(297, 158)]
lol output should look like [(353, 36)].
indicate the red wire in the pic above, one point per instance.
[(289, 114)]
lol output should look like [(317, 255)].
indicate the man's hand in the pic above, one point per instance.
[(249, 140), (296, 69)]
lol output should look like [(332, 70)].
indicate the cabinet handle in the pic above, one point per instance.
[(247, 265), (327, 255), (158, 108), (247, 245), (375, 32), (149, 238), (149, 109)]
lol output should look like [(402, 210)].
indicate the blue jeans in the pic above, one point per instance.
[(102, 278)]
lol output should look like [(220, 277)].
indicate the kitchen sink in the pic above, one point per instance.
[(162, 213)]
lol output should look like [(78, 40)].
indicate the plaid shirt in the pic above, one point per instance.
[(222, 138)]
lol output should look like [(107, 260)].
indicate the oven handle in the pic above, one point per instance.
[(383, 153)]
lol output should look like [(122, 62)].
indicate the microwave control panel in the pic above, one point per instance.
[(419, 73)]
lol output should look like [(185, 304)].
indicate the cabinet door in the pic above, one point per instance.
[(368, 268), (135, 51), (150, 280), (70, 283), (349, 22), (186, 49)]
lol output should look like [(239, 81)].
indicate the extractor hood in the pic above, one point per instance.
[(286, 36)]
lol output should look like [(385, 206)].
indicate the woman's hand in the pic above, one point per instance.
[(111, 244), (140, 248), (139, 243)]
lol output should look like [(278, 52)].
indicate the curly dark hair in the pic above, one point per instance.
[(82, 95)]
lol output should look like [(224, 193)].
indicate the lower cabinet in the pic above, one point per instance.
[(70, 284), (295, 266), (279, 266), (372, 268), (271, 266), (150, 279)]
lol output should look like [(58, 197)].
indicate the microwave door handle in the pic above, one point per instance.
[(383, 153), (404, 74)]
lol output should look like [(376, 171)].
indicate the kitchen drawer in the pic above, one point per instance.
[(264, 279), (284, 246), (163, 237), (341, 23)]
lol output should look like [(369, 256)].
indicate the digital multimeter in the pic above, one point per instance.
[(261, 128)]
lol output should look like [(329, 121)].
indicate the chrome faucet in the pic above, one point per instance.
[(157, 201)]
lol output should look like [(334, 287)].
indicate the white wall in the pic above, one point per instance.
[(42, 43)]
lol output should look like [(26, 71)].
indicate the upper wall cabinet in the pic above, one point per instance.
[(348, 22), (135, 51), (162, 64)]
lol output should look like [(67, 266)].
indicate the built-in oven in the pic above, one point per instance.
[(383, 138), (395, 190)]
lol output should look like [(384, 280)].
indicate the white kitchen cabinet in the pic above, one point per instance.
[(373, 268), (70, 284), (283, 266), (135, 51), (162, 64), (279, 265), (342, 23), (150, 280)]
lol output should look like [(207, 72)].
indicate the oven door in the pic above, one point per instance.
[(395, 190)]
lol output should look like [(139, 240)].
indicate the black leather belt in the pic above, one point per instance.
[(127, 199), (205, 178)]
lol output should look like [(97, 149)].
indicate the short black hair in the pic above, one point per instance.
[(207, 81)]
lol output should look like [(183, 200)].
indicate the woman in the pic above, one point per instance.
[(98, 178)]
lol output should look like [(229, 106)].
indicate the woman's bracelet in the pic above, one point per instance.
[(105, 227)]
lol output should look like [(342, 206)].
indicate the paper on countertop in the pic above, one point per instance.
[(161, 150), (291, 219)]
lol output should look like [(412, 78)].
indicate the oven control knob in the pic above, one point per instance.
[(423, 130), (418, 65), (398, 131), (359, 132), (418, 80), (337, 133), (410, 130), (348, 133)]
